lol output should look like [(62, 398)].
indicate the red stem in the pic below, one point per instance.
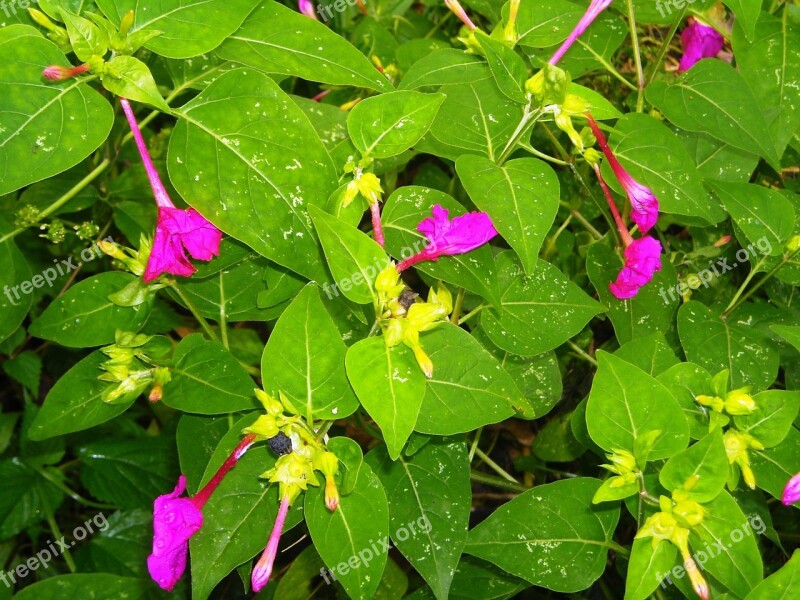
[(623, 231), (203, 495), (377, 227), (412, 260), (615, 165)]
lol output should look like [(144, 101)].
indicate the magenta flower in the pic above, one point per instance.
[(791, 493), (642, 261), (699, 41), (177, 519), (644, 204), (594, 10), (307, 8), (178, 231), (448, 237), (263, 569), (458, 10)]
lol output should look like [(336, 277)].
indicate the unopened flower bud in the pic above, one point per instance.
[(699, 583), (126, 23), (715, 403), (424, 361), (270, 404), (57, 73), (739, 402)]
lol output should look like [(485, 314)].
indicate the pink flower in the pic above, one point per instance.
[(307, 8), (458, 10), (56, 73), (791, 493), (642, 261), (446, 237), (699, 41), (175, 520), (644, 204), (178, 231), (263, 569), (594, 10)]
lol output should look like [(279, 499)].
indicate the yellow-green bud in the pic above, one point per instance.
[(739, 402)]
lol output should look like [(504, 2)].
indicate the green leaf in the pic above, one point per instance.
[(129, 473), (508, 68), (521, 197), (551, 535), (128, 77), (403, 212), (701, 469), (355, 259), (231, 293), (717, 344), (476, 118), (84, 316), (790, 333), (390, 124), (548, 23), (714, 98), (647, 567), (761, 213), (669, 172), (254, 166), (47, 127), (14, 306), (86, 38), (275, 39), (197, 437), (207, 379), (390, 386), (736, 561), (468, 389), (775, 412), (747, 13), (784, 584), (98, 586), (26, 499), (538, 312), (349, 538), (190, 28), (626, 403), (651, 353), (26, 369), (305, 358), (441, 67), (431, 492), (239, 515), (773, 467), (770, 63), (74, 403)]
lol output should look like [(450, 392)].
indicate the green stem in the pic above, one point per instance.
[(472, 313), (474, 445), (608, 66), (71, 493), (58, 537), (223, 315), (637, 57), (734, 305), (457, 308), (551, 243), (62, 200), (528, 120), (192, 309), (662, 52), (542, 155), (494, 466), (581, 352), (497, 482)]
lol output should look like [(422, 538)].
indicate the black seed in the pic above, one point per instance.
[(407, 298), (280, 444)]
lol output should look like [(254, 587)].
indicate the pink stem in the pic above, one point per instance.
[(623, 231), (594, 10), (159, 191), (618, 169), (263, 569), (203, 495), (377, 227)]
